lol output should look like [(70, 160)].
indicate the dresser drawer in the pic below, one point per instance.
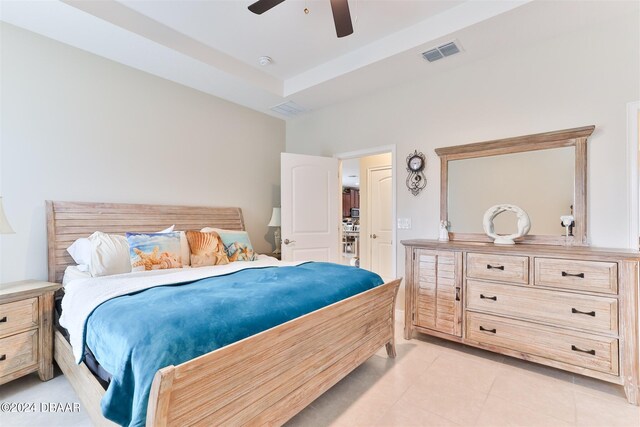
[(591, 276), (591, 313), (505, 268), (18, 316), (18, 351), (575, 348)]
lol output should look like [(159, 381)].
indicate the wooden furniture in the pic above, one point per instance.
[(573, 308), (565, 138), (264, 379), (350, 199), (26, 329)]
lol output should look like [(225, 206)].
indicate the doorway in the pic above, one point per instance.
[(368, 235)]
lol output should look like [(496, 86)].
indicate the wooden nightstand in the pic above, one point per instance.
[(26, 329)]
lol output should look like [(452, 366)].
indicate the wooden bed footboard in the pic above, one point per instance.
[(267, 378)]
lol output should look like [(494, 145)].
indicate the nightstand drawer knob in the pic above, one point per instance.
[(3, 357), (4, 319)]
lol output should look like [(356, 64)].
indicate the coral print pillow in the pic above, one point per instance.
[(206, 249), (154, 251), (236, 244)]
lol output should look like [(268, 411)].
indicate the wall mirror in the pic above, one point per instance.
[(544, 174)]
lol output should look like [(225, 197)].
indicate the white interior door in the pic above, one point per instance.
[(380, 217), (310, 208)]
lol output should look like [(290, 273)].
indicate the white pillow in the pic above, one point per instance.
[(168, 230), (80, 251), (109, 254)]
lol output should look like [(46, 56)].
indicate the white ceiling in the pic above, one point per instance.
[(214, 45), (296, 41), (351, 173)]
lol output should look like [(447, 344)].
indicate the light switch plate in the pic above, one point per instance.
[(404, 223)]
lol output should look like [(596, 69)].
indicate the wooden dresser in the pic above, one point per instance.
[(26, 329), (573, 308)]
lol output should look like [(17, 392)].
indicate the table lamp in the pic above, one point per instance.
[(5, 227), (275, 222)]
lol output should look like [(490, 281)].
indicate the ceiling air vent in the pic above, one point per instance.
[(288, 109), (440, 52)]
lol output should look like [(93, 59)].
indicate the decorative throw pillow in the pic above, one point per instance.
[(236, 244), (206, 249), (154, 251), (109, 254)]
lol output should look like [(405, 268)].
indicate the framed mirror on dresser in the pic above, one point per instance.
[(544, 174), (549, 299)]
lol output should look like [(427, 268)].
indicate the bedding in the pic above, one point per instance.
[(206, 249), (74, 272), (82, 249), (237, 244), (109, 254), (188, 313), (154, 251), (98, 371)]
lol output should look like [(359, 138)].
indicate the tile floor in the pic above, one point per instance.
[(431, 383)]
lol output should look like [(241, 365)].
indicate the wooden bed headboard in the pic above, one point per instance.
[(68, 221)]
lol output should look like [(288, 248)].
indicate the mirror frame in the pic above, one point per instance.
[(576, 137)]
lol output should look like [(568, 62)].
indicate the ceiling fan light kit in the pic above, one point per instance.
[(339, 8)]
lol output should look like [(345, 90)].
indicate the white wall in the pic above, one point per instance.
[(576, 79), (79, 127)]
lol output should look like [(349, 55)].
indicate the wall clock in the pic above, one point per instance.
[(416, 181)]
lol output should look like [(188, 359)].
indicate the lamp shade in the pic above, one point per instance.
[(5, 227), (275, 218)]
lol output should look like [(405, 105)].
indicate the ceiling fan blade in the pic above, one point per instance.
[(261, 6), (342, 17)]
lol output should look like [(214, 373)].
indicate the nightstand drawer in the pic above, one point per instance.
[(504, 268), (18, 351), (18, 316), (590, 276)]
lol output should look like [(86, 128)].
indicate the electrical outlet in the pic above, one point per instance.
[(404, 223)]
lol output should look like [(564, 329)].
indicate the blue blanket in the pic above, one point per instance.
[(133, 336)]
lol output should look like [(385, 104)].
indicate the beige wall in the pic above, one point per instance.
[(79, 127), (558, 83)]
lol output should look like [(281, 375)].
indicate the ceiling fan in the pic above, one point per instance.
[(340, 9)]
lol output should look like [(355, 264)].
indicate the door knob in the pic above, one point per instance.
[(287, 241), (373, 236)]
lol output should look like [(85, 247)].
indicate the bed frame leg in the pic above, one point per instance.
[(391, 349)]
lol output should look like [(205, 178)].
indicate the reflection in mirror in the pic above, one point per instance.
[(540, 182)]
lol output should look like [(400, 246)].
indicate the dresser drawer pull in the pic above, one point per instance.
[(483, 296), (495, 267), (591, 352), (3, 320), (588, 313), (3, 357), (483, 329), (580, 275)]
